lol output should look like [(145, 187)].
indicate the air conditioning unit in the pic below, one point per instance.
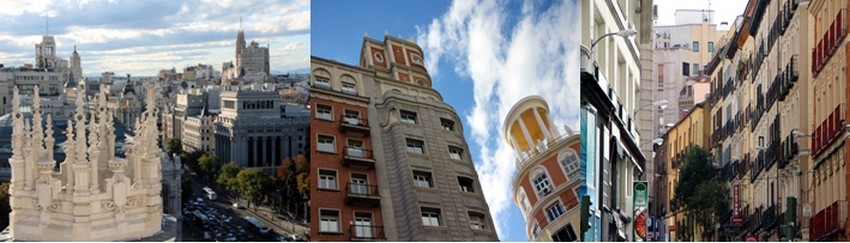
[(545, 191)]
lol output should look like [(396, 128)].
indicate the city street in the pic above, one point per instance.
[(223, 208)]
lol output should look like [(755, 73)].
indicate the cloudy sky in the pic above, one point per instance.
[(724, 10), (142, 37), (484, 56)]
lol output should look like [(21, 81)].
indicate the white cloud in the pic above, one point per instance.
[(144, 36), (507, 58)]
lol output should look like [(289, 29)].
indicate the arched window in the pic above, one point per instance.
[(542, 183), (569, 164), (523, 201)]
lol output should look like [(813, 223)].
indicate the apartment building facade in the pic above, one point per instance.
[(760, 115), (690, 131), (611, 81), (384, 122), (829, 148)]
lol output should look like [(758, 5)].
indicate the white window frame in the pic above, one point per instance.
[(526, 205), (476, 221), (470, 189), (351, 117), (543, 184), (349, 88), (569, 161), (329, 223), (416, 59), (536, 231), (555, 211), (324, 115), (415, 146), (409, 117), (354, 148), (320, 141), (423, 179), (431, 217), (328, 179), (447, 124), (455, 153), (323, 82)]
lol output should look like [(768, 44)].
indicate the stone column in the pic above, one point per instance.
[(543, 128), (525, 133)]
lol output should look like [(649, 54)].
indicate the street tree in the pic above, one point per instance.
[(208, 164), (253, 184), (174, 146), (697, 192), (227, 176)]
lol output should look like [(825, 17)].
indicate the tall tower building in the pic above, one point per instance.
[(389, 160), (251, 64), (76, 66), (546, 184), (240, 45), (45, 53)]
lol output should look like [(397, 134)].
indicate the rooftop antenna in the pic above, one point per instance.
[(47, 24), (240, 23)]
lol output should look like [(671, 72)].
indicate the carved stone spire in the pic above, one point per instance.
[(29, 164), (17, 126), (70, 153), (95, 145), (81, 164), (49, 140), (37, 131)]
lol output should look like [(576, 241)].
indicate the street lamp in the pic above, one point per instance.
[(798, 133), (661, 104), (655, 141), (622, 33)]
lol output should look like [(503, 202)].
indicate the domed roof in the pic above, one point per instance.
[(72, 81), (128, 88)]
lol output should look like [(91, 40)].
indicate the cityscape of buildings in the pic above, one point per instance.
[(696, 130)]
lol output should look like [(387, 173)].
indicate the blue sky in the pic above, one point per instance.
[(484, 56), (142, 37)]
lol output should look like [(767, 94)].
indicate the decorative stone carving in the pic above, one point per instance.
[(39, 193), (54, 206), (109, 205)]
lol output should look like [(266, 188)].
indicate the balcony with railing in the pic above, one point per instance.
[(828, 131), (354, 125), (828, 221), (362, 194), (365, 232), (769, 217), (790, 149), (829, 42), (524, 157), (785, 81), (358, 157), (754, 221), (758, 165)]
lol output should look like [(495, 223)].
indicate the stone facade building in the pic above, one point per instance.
[(253, 131)]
